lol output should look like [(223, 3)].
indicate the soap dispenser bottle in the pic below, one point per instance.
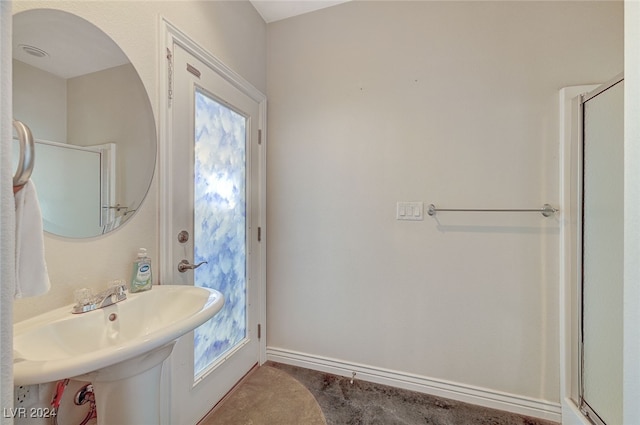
[(141, 276)]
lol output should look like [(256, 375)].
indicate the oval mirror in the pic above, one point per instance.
[(91, 119)]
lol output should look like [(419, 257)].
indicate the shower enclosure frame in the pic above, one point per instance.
[(570, 220), (583, 405), (570, 247)]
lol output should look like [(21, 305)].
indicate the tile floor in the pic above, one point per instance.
[(364, 403)]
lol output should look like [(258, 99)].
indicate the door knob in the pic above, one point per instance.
[(184, 265)]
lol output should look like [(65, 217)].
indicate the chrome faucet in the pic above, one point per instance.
[(110, 296)]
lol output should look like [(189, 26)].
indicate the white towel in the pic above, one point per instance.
[(31, 270)]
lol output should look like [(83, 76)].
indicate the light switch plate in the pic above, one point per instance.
[(411, 211)]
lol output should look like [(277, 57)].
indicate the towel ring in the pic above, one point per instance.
[(27, 153)]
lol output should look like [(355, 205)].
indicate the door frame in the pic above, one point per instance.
[(170, 35)]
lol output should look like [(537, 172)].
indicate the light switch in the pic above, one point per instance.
[(412, 211)]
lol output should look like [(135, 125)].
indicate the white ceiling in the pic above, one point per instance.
[(272, 11)]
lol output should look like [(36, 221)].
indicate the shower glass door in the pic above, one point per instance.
[(602, 255)]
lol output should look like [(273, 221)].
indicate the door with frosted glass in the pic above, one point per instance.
[(602, 254), (215, 223)]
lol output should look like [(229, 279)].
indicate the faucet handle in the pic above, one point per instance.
[(118, 288)]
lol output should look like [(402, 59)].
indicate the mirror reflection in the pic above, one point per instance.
[(91, 120)]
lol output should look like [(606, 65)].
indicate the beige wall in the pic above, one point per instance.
[(42, 102), (452, 103)]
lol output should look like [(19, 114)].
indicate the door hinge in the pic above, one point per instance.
[(259, 331), (170, 75), (259, 136), (259, 234)]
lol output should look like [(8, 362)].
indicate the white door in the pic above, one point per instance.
[(215, 203)]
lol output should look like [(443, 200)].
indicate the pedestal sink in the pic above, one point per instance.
[(119, 348)]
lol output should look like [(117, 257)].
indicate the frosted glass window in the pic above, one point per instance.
[(220, 225)]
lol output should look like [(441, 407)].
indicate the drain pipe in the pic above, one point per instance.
[(84, 395)]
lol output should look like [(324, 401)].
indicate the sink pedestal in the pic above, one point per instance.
[(126, 399)]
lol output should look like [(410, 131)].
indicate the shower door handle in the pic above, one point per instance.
[(184, 265)]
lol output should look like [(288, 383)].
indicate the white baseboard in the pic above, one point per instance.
[(461, 392)]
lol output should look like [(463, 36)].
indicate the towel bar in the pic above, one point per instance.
[(27, 153), (546, 210)]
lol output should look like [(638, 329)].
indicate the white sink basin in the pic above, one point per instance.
[(58, 344)]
